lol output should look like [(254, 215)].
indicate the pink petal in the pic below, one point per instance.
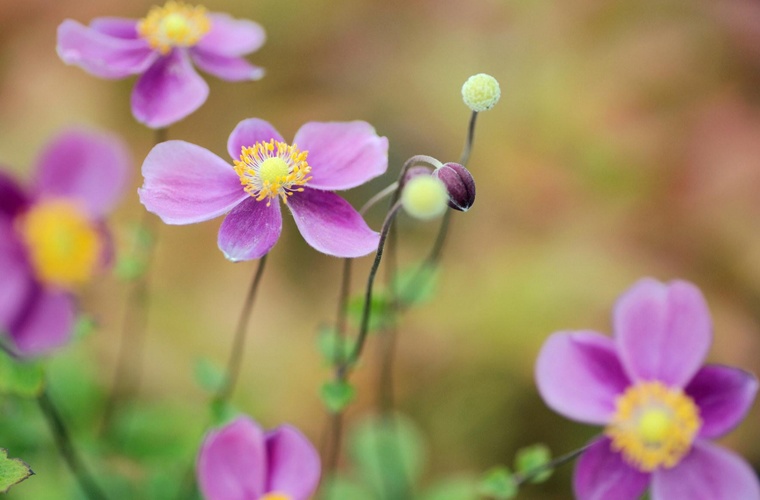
[(16, 283), (232, 462), (232, 37), (46, 323), (118, 27), (579, 375), (342, 155), (602, 474), (101, 54), (724, 395), (294, 467), (230, 68), (168, 91), (331, 225), (250, 230), (708, 472), (249, 132), (185, 183), (663, 331), (13, 199), (90, 167)]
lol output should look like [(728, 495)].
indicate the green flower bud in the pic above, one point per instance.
[(481, 92)]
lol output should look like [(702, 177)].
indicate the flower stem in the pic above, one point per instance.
[(521, 479), (378, 197), (66, 447)]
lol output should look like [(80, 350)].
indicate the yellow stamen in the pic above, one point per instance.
[(64, 246), (275, 496), (653, 425), (174, 25), (271, 169)]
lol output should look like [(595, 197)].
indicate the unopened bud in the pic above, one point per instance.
[(425, 197), (459, 184), (481, 92)]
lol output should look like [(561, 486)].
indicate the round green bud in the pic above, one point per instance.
[(481, 92), (425, 197)]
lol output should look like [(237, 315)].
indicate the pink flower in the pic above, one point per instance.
[(660, 406), (162, 49)]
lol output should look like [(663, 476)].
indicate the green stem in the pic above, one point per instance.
[(521, 479)]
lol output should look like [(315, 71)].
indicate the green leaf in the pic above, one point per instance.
[(531, 458), (416, 285), (209, 375), (328, 343), (20, 378), (12, 471), (129, 267), (337, 394), (340, 488), (380, 314), (84, 326), (222, 412), (498, 483)]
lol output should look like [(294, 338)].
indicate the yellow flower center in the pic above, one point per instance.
[(63, 245), (275, 496), (271, 169), (653, 425), (174, 25)]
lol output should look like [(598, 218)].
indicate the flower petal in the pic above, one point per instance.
[(579, 375), (118, 27), (230, 68), (13, 199), (232, 37), (17, 282), (101, 54), (250, 230), (708, 472), (185, 183), (232, 462), (601, 474), (663, 331), (168, 91), (45, 324), (331, 225), (724, 395), (91, 167), (342, 155), (294, 467), (249, 132)]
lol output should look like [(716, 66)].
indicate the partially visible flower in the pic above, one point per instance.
[(659, 405), (459, 184), (185, 183), (162, 48), (53, 238), (242, 462), (481, 92), (424, 197)]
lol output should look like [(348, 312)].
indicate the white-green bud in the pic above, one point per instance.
[(481, 92), (425, 197)]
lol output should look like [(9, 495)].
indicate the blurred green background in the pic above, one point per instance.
[(625, 145)]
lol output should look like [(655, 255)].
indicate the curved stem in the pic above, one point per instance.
[(465, 156), (378, 197), (521, 479)]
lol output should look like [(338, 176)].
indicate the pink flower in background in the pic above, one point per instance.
[(52, 237), (162, 48), (242, 462), (659, 405), (185, 183)]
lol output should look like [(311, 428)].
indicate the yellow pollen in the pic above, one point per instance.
[(271, 169), (653, 425), (174, 25), (275, 496), (63, 245)]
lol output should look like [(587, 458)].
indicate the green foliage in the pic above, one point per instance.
[(381, 310), (416, 285), (222, 411), (84, 326), (337, 394), (498, 483), (341, 488), (12, 471), (20, 378), (462, 488), (130, 267), (532, 458), (209, 375), (331, 347)]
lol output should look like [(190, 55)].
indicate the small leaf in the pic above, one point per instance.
[(328, 343), (20, 378), (222, 411), (531, 458), (380, 310), (12, 471), (336, 395), (498, 483), (209, 375), (416, 285)]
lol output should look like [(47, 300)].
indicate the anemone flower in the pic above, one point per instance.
[(185, 183), (242, 462), (53, 238), (660, 406), (162, 48)]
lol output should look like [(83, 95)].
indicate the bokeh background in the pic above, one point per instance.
[(626, 144)]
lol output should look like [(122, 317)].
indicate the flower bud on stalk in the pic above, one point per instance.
[(424, 197), (459, 184), (481, 92)]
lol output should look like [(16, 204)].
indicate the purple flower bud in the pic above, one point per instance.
[(460, 185)]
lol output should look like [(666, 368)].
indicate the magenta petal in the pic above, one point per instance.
[(168, 91), (185, 183), (708, 472), (342, 155), (100, 54), (45, 325), (250, 230), (230, 68), (90, 167), (249, 132), (232, 37), (118, 27), (724, 395), (663, 331), (579, 375), (16, 283), (294, 467), (602, 474), (13, 199), (232, 463), (331, 225)]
